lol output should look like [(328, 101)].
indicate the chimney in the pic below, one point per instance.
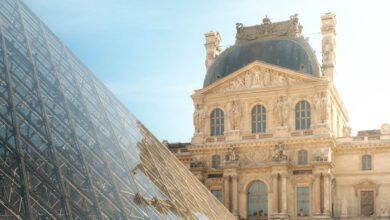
[(212, 47), (328, 31)]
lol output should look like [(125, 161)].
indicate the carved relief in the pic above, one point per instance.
[(322, 107), (257, 155), (232, 155), (281, 110), (346, 131), (235, 115), (385, 129), (290, 27), (199, 117), (279, 153), (259, 78)]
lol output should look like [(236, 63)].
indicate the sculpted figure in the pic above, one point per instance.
[(321, 104), (231, 155), (282, 108), (248, 80), (240, 82), (347, 131), (199, 116), (235, 115), (279, 154), (256, 79), (278, 111), (286, 109), (239, 27), (267, 78)]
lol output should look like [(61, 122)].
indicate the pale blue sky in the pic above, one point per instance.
[(151, 53)]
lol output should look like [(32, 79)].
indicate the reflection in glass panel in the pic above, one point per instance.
[(85, 156), (366, 162), (218, 194), (257, 200), (303, 201), (216, 122), (302, 116), (258, 119)]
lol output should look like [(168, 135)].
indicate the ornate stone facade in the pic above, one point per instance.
[(297, 148)]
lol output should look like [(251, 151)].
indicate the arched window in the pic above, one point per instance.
[(216, 161), (259, 119), (217, 122), (302, 116), (302, 157), (257, 200), (366, 162)]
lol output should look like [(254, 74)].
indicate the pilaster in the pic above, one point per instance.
[(226, 190)]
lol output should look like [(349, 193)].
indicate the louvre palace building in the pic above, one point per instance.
[(271, 136), (70, 150)]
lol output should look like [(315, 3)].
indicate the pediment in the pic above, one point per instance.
[(366, 184), (258, 75)]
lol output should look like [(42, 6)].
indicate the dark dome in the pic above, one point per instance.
[(288, 52)]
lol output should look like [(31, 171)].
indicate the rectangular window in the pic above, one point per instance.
[(218, 194), (366, 162), (303, 205)]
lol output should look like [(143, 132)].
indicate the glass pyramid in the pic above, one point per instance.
[(69, 149)]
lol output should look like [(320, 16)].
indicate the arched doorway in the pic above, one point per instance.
[(257, 201)]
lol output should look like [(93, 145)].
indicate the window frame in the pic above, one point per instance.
[(213, 159), (259, 119), (303, 115), (217, 122), (216, 196), (365, 166), (261, 199), (303, 157), (304, 201)]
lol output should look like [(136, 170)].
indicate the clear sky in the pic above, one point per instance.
[(151, 53)]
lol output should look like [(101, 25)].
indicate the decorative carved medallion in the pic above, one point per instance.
[(257, 155)]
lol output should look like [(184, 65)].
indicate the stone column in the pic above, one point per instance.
[(327, 194), (284, 193), (226, 191), (317, 194), (235, 194), (275, 202)]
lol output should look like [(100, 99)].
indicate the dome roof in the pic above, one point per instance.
[(289, 52)]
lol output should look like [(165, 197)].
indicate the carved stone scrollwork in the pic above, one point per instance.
[(366, 184), (267, 28), (257, 155)]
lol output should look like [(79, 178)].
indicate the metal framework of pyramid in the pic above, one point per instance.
[(69, 149)]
